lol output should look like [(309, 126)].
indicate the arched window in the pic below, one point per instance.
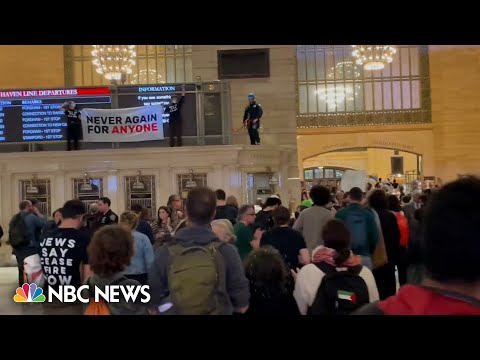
[(334, 91), (155, 64)]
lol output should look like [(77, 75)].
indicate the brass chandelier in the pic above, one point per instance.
[(373, 57), (114, 62)]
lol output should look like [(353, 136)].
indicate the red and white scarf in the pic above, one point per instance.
[(328, 255)]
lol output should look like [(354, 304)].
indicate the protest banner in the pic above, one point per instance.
[(122, 125), (353, 178)]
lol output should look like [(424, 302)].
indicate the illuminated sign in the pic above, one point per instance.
[(35, 115)]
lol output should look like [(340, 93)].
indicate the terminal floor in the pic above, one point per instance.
[(8, 285)]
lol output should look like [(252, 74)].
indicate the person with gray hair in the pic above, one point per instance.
[(74, 124), (93, 209), (244, 232), (223, 228), (91, 218), (415, 204)]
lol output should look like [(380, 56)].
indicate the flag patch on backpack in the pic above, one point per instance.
[(347, 295), (341, 292)]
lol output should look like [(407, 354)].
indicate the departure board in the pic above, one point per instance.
[(161, 94), (35, 115)]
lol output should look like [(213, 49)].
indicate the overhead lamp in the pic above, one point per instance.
[(190, 184), (138, 184), (86, 186), (32, 189)]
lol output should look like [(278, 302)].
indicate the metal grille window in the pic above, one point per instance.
[(154, 64), (259, 187), (328, 176), (140, 189), (334, 91), (188, 181), (39, 190), (87, 190)]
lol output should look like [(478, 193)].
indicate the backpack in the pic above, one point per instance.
[(403, 227), (17, 232), (196, 279), (264, 220), (97, 308), (357, 224), (100, 307), (340, 292)]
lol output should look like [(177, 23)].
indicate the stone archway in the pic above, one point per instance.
[(419, 142)]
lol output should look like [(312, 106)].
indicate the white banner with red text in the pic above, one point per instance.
[(122, 125)]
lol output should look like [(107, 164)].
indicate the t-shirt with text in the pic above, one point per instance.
[(62, 252), (73, 117)]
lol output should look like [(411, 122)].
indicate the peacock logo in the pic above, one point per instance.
[(29, 293)]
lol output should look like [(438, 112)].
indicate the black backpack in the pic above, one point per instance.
[(17, 232), (340, 292)]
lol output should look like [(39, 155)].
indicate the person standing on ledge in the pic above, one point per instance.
[(175, 120), (251, 119), (74, 124)]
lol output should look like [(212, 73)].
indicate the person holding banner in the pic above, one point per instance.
[(175, 119), (74, 124)]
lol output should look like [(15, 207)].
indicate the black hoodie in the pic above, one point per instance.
[(236, 282)]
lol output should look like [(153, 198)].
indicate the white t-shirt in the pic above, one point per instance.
[(309, 279)]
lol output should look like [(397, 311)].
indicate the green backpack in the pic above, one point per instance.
[(197, 279)]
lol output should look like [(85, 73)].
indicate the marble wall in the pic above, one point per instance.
[(226, 167)]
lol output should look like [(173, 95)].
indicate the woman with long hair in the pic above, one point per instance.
[(232, 201), (163, 222), (267, 274), (223, 228), (385, 274), (143, 255), (402, 222)]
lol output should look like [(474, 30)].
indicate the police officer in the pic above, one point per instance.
[(107, 216), (74, 125), (251, 119)]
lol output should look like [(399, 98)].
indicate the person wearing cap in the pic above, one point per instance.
[(251, 119), (307, 203), (74, 125)]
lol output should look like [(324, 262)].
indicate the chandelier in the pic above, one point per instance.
[(336, 94), (346, 69), (114, 61), (373, 57)]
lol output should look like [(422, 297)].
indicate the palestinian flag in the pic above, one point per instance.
[(347, 295)]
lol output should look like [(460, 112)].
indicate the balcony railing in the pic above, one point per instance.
[(371, 118)]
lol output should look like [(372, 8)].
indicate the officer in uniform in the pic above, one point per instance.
[(251, 119), (107, 216)]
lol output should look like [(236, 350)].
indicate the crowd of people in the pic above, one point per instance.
[(337, 254)]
